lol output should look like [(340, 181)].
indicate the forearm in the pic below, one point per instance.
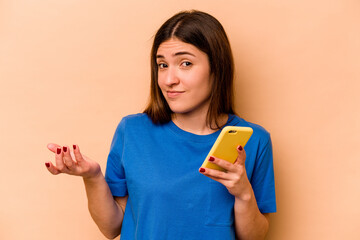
[(250, 223), (104, 210)]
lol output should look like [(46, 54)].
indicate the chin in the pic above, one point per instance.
[(179, 110), (182, 109)]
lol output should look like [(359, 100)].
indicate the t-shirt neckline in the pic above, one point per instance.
[(200, 138)]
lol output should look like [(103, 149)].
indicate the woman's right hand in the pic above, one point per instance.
[(72, 163)]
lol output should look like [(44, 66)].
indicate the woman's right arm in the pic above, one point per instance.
[(106, 211)]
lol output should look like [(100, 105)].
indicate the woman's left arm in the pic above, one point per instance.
[(250, 223)]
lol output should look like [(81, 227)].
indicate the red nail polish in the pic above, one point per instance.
[(202, 169), (47, 165), (211, 159), (58, 150), (65, 149), (74, 146), (240, 148)]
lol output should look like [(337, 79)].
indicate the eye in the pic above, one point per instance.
[(186, 64), (162, 65)]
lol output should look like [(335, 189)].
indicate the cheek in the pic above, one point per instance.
[(203, 83), (160, 82)]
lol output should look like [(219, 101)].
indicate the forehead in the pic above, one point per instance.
[(174, 45)]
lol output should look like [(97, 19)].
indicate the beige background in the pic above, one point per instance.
[(70, 70)]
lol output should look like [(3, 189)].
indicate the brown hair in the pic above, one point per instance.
[(207, 34)]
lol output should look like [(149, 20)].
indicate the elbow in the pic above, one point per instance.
[(111, 235)]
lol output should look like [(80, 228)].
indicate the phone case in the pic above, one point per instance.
[(225, 145)]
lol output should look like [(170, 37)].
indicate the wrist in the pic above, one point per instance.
[(94, 177), (244, 197), (246, 194), (245, 203)]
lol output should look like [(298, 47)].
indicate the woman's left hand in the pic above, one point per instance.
[(234, 178)]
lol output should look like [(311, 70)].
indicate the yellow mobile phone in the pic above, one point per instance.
[(225, 145)]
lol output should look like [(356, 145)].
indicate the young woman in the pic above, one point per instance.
[(153, 187)]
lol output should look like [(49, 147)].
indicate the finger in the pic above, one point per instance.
[(52, 147), (59, 160), (51, 168), (215, 174), (69, 162), (78, 156), (240, 160), (228, 166)]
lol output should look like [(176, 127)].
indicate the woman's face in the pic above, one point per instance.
[(184, 77)]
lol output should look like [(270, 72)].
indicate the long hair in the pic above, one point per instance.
[(207, 34)]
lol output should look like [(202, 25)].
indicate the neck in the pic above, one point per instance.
[(197, 124)]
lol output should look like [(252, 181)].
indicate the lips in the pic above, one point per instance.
[(174, 94)]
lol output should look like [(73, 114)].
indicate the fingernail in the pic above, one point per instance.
[(47, 165), (240, 148), (65, 149), (58, 150), (202, 169), (211, 159), (74, 146)]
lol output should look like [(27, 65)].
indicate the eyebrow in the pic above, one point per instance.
[(177, 54)]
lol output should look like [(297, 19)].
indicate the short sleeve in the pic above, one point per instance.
[(262, 180), (115, 174)]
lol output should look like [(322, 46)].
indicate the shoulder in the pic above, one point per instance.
[(134, 121), (260, 131), (260, 134)]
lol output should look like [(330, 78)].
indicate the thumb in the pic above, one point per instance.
[(52, 147)]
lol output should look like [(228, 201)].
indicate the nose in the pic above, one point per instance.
[(171, 77)]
